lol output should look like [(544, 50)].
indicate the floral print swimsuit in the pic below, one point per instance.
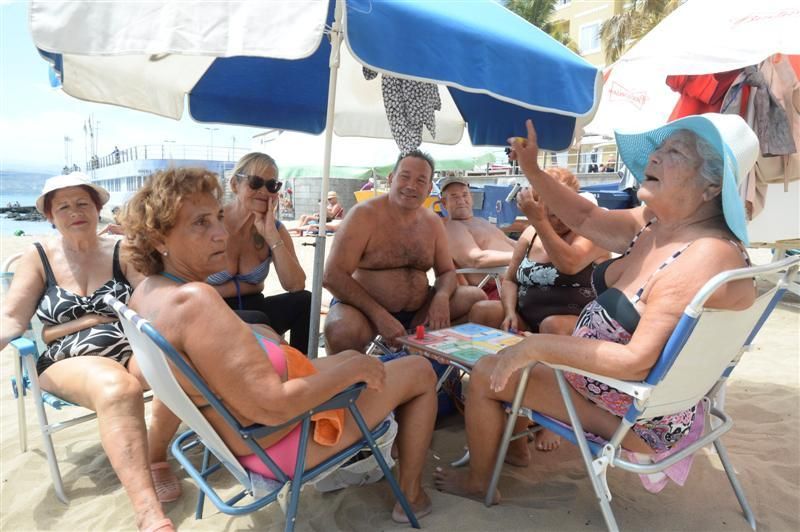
[(544, 291), (613, 317)]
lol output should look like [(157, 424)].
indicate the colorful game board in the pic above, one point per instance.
[(464, 344)]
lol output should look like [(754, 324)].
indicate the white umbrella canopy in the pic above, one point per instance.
[(699, 37)]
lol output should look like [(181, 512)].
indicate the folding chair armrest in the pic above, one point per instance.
[(340, 400), (638, 389), (24, 346), (497, 270)]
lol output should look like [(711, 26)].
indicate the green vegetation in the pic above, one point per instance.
[(620, 32), (539, 13)]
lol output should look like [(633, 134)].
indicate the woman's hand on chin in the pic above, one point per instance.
[(265, 223)]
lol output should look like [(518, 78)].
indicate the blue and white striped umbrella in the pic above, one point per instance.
[(269, 64)]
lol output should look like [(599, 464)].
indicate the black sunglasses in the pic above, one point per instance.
[(255, 182)]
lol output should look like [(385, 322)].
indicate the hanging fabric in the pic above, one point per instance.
[(776, 120), (409, 105)]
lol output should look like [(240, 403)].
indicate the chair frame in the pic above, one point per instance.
[(159, 371), (598, 457), (494, 274), (26, 379)]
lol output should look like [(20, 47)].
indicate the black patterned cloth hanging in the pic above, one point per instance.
[(409, 105)]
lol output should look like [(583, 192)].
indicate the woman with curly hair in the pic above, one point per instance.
[(177, 238)]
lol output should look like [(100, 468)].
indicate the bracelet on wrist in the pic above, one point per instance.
[(277, 244)]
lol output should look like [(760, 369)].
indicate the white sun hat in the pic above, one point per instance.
[(75, 179)]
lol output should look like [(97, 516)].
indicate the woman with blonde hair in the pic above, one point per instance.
[(257, 241)]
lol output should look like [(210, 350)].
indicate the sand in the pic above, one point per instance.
[(553, 493)]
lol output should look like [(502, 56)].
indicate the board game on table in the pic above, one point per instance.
[(463, 344)]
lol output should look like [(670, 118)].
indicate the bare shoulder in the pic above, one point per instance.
[(693, 269), (727, 254), (29, 262), (527, 234)]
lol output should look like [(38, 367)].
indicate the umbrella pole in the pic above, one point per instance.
[(319, 249)]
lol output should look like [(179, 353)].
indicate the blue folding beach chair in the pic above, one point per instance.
[(694, 366), (25, 383), (157, 358)]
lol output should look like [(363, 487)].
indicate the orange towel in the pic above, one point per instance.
[(328, 425)]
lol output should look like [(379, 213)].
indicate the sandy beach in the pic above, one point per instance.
[(553, 493)]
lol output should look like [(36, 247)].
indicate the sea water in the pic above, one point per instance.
[(10, 227)]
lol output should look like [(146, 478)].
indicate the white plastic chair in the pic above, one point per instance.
[(696, 361), (26, 382)]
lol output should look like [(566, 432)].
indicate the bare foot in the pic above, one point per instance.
[(421, 506), (518, 453), (457, 482), (547, 440)]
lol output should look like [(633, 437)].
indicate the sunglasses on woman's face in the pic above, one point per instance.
[(255, 182)]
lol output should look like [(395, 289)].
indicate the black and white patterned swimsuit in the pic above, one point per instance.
[(59, 305)]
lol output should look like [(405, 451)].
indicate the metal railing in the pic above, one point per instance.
[(167, 150)]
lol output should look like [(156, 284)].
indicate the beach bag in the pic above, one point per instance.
[(363, 468)]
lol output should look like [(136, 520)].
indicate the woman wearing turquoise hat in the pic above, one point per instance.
[(688, 170)]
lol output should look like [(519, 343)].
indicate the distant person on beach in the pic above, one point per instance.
[(178, 238), (88, 360), (378, 264), (114, 228), (256, 242), (369, 185), (115, 153), (689, 170), (473, 242), (333, 210)]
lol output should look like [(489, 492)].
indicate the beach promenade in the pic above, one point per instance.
[(553, 493)]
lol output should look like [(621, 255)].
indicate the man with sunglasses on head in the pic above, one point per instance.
[(256, 242), (378, 266)]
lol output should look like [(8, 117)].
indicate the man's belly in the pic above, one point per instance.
[(395, 289)]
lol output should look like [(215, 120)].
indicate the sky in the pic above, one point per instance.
[(35, 118)]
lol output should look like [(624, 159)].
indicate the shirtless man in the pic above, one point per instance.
[(377, 268), (473, 242)]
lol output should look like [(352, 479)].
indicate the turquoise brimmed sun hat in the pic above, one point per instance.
[(728, 134)]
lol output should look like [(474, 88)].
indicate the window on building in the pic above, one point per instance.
[(590, 38)]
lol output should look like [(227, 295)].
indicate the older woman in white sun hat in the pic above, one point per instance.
[(689, 171), (88, 360)]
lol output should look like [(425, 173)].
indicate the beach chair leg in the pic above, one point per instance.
[(22, 425), (599, 482), (387, 473), (201, 495), (297, 480), (734, 480), (44, 427), (507, 433)]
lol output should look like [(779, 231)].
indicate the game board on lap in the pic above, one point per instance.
[(464, 343)]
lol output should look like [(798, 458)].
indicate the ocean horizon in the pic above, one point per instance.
[(10, 227)]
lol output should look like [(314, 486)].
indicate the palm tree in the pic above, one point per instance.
[(539, 13), (621, 31)]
